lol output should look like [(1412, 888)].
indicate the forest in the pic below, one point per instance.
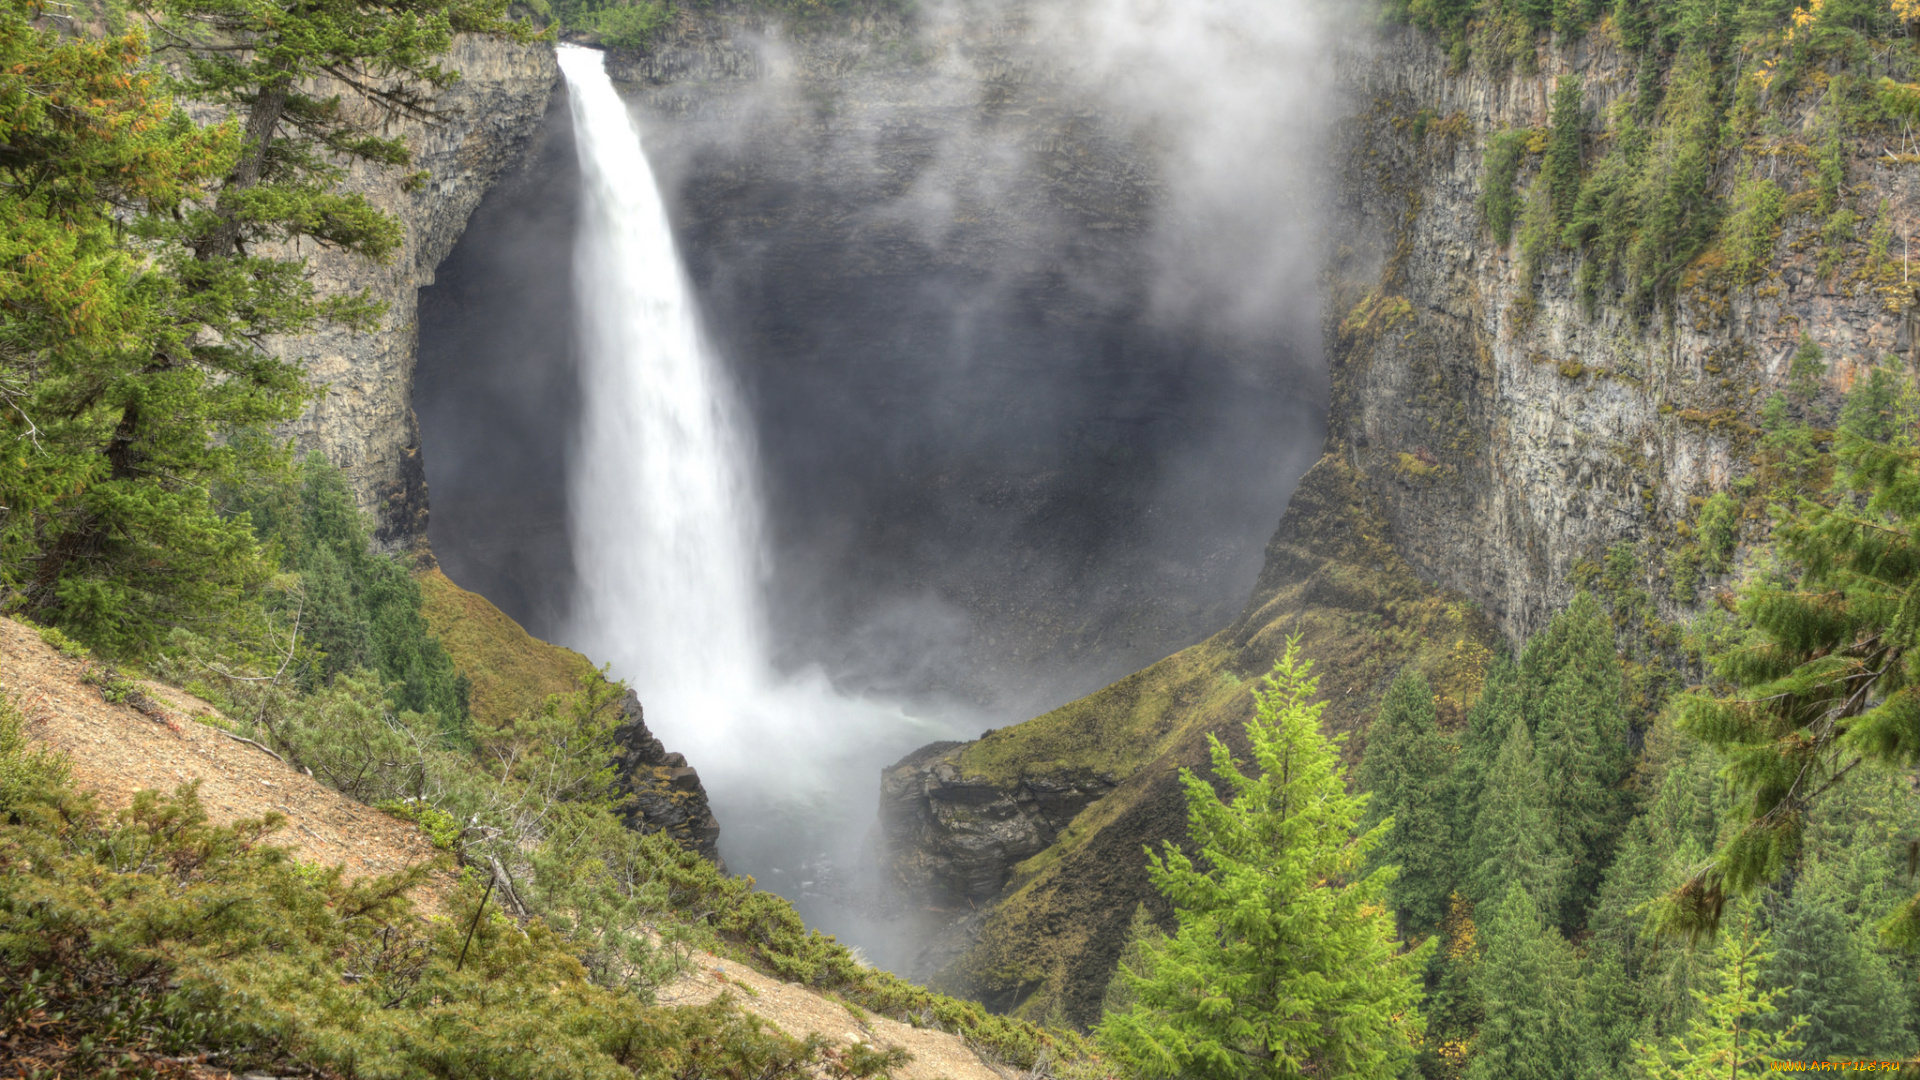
[(1650, 848)]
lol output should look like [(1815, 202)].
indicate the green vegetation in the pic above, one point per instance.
[(354, 610), (511, 672), (151, 933), (1686, 181), (1505, 152), (1579, 823), (151, 522), (1405, 772), (134, 366), (633, 24), (1284, 963), (1820, 685), (1735, 1031), (1528, 987), (1048, 947)]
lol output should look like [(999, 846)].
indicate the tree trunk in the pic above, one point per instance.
[(262, 121)]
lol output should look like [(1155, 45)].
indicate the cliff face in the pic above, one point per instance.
[(662, 792), (1494, 442), (1510, 434), (364, 419)]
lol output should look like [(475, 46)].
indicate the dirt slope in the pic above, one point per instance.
[(117, 750)]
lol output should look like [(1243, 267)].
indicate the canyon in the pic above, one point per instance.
[(1476, 446)]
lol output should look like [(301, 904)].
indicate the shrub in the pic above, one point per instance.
[(1751, 229), (1498, 203)]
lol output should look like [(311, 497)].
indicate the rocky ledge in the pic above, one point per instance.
[(950, 838), (664, 793)]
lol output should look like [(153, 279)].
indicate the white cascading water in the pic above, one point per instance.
[(667, 546), (665, 519)]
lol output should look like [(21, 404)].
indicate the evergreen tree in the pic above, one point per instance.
[(357, 609), (97, 160), (133, 359), (1824, 682), (1578, 643), (1513, 839), (1606, 1020), (1529, 992), (1486, 730), (1404, 775), (1284, 963), (1562, 165), (1734, 1032), (1869, 411), (1581, 737), (1833, 978)]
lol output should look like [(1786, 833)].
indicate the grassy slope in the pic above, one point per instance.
[(512, 671), (1333, 577)]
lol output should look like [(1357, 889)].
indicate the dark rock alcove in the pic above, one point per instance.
[(991, 471)]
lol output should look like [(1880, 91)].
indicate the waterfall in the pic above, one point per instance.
[(665, 516)]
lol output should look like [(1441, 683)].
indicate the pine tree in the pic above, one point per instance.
[(1581, 736), (1487, 724), (1284, 963), (1578, 641), (1405, 774), (357, 609), (133, 361), (97, 158), (1833, 977), (1824, 682), (1513, 839), (1606, 1020), (1734, 1031), (1562, 165), (1529, 991)]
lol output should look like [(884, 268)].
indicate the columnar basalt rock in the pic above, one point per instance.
[(662, 792), (362, 420), (1511, 432)]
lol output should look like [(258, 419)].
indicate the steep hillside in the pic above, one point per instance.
[(121, 739), (512, 672), (165, 737), (1527, 400), (998, 825)]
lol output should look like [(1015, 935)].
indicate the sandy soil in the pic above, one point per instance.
[(117, 750), (798, 1011)]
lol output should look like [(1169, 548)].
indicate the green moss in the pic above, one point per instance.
[(1333, 577), (1111, 732), (512, 671)]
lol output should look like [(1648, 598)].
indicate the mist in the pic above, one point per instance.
[(1020, 305)]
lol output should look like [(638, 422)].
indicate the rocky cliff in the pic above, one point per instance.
[(363, 421), (662, 792), (1496, 440), (1512, 434)]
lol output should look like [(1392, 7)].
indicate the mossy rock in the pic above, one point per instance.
[(512, 671), (1333, 578)]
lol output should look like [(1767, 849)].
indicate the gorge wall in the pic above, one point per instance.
[(1001, 464), (1512, 435), (363, 419), (1494, 443)]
